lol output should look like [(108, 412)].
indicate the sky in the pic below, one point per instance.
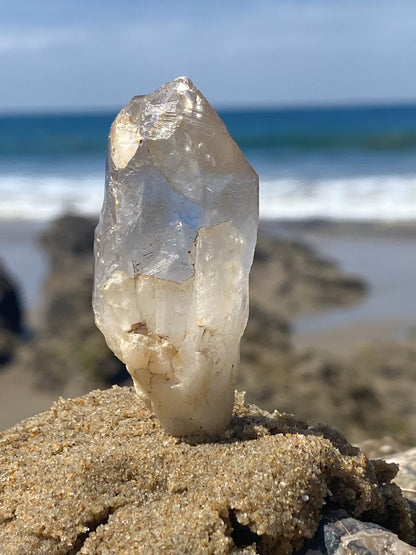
[(95, 54)]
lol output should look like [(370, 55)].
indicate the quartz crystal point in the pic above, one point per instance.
[(173, 251)]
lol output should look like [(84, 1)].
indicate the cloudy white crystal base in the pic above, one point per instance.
[(180, 341)]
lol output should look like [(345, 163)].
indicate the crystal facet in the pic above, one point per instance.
[(173, 252)]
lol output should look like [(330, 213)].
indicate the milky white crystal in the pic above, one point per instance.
[(173, 251)]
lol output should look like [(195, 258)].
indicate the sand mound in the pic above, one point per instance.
[(98, 474)]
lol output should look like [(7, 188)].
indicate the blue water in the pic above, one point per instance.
[(330, 142), (340, 163)]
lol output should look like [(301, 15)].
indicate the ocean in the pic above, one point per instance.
[(352, 163)]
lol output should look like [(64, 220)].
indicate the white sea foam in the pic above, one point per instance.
[(43, 197), (373, 198), (381, 198)]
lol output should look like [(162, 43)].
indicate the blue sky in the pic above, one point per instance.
[(76, 54)]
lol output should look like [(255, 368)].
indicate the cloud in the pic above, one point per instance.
[(33, 41), (238, 52)]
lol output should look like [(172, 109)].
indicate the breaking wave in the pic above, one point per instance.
[(373, 198)]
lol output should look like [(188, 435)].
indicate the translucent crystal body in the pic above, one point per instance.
[(173, 251)]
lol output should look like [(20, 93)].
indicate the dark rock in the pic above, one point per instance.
[(289, 278), (11, 316), (10, 304), (68, 343), (69, 238)]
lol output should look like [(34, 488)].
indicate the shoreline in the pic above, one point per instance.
[(20, 398), (380, 253), (383, 256), (24, 259), (338, 331)]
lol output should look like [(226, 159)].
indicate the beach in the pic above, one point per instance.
[(380, 255), (335, 278), (26, 262)]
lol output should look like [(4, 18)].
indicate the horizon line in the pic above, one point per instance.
[(244, 107)]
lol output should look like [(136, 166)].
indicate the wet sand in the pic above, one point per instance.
[(19, 398), (382, 255), (24, 258)]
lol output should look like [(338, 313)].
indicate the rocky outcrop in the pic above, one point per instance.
[(289, 278), (369, 396), (11, 316), (68, 343)]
